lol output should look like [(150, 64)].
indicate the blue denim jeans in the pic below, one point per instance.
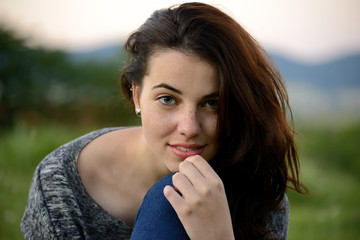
[(156, 218)]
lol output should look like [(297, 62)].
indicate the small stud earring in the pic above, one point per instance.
[(138, 112)]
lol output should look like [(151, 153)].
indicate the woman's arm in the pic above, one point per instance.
[(201, 205), (36, 222)]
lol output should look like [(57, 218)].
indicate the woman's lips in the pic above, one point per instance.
[(186, 150)]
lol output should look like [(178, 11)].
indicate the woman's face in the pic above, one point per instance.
[(178, 101)]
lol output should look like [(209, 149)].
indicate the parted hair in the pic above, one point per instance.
[(256, 158)]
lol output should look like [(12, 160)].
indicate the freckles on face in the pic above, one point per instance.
[(178, 102)]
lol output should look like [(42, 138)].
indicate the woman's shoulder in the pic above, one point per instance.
[(60, 166), (104, 167), (104, 152), (68, 152)]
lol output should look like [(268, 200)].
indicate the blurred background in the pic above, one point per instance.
[(59, 70)]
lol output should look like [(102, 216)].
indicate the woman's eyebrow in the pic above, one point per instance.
[(212, 95), (164, 85)]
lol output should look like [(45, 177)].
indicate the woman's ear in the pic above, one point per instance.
[(135, 89)]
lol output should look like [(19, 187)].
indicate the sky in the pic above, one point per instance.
[(305, 30)]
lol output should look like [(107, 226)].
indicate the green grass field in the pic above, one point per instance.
[(329, 162)]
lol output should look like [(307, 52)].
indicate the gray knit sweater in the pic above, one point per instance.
[(60, 208)]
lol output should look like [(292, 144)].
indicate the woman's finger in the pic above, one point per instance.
[(202, 186), (204, 168), (182, 183), (176, 200), (190, 171)]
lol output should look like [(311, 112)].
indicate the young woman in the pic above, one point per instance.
[(213, 112)]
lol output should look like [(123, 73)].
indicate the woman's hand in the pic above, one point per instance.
[(201, 206)]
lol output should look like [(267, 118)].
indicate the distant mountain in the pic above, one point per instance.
[(330, 76), (106, 53)]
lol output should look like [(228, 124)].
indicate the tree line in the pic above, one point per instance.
[(38, 84)]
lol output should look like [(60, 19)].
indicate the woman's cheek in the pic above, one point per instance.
[(160, 121)]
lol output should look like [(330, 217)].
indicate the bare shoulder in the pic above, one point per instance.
[(104, 170), (104, 152)]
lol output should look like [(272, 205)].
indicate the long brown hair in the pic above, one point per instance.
[(256, 158)]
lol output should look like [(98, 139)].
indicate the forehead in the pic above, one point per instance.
[(180, 68), (160, 52)]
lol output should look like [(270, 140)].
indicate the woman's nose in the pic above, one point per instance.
[(189, 124)]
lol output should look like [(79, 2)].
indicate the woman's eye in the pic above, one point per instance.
[(167, 100), (211, 104)]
